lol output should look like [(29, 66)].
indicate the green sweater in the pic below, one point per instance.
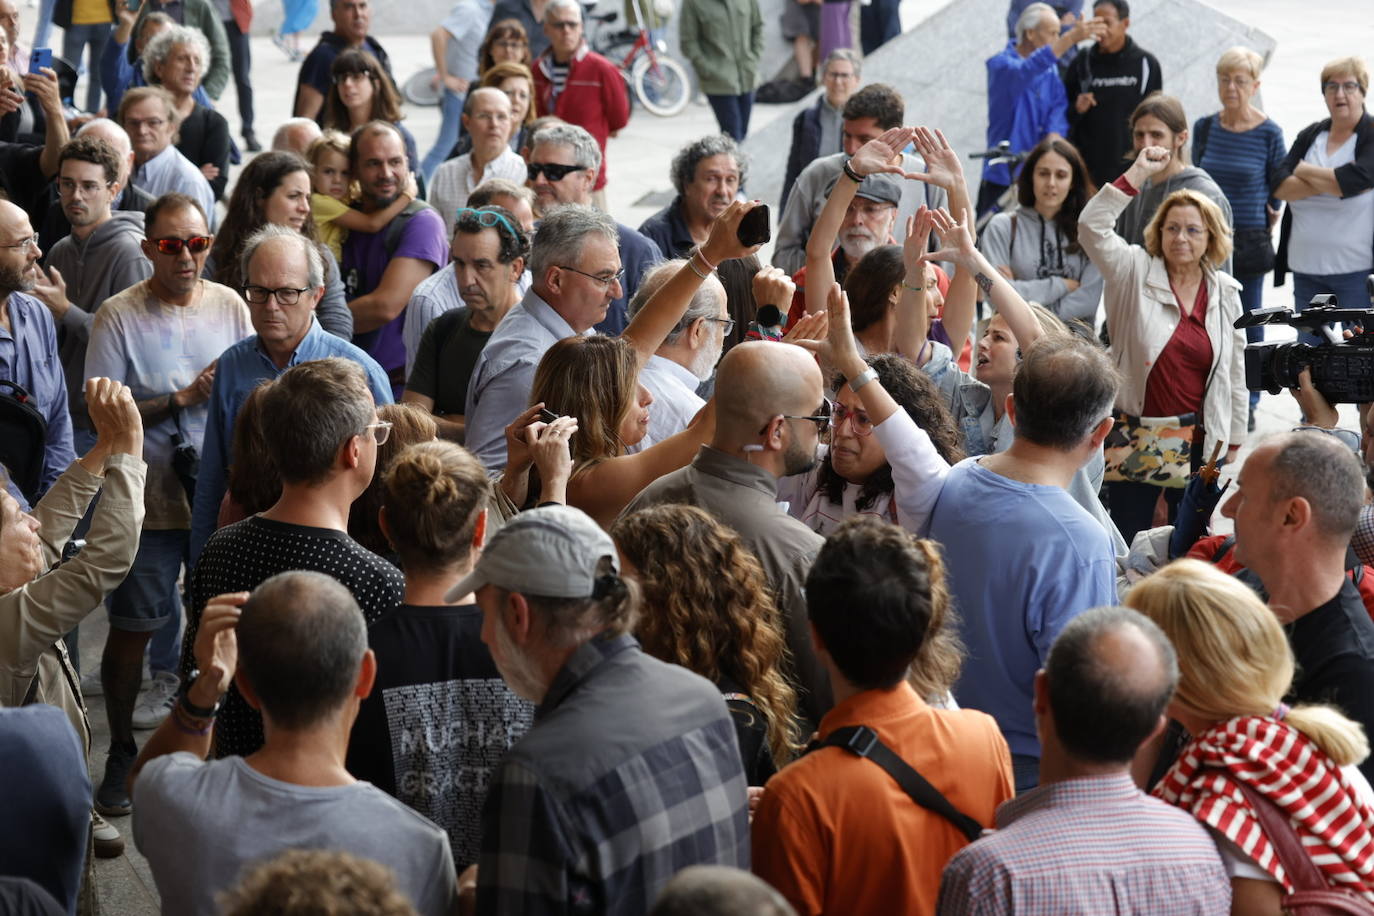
[(723, 39)]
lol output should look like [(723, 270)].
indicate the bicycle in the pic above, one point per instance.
[(659, 82), (1000, 154)]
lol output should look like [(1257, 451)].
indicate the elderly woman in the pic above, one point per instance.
[(175, 59), (1248, 750), (1327, 238), (1171, 313), (1036, 245)]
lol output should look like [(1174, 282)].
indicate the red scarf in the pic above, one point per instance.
[(1283, 765)]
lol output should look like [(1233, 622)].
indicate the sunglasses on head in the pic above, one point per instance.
[(555, 171), (196, 244), (487, 218)]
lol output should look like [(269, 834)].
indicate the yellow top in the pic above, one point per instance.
[(326, 209), (90, 12)]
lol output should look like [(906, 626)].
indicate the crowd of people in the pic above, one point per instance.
[(465, 549)]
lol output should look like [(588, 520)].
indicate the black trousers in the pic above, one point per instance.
[(241, 56)]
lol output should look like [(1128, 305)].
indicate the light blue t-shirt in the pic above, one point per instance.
[(1022, 560)]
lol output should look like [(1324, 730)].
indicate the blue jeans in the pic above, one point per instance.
[(74, 41), (40, 34), (1349, 290), (451, 108), (148, 599), (732, 113)]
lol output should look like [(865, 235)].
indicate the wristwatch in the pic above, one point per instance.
[(199, 712)]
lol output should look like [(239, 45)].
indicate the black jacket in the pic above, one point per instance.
[(806, 146), (1353, 178), (1118, 82)]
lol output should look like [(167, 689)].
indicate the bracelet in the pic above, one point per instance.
[(851, 174), (692, 263), (914, 289), (705, 263), (188, 724), (862, 379)]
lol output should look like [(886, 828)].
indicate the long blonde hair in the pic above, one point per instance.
[(1233, 657)]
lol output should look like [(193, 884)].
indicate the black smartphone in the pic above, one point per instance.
[(548, 416), (754, 229)]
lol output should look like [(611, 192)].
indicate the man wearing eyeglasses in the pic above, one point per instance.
[(150, 118), (28, 346), (161, 337), (285, 281), (564, 159), (102, 256), (576, 273)]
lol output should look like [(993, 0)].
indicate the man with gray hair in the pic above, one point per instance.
[(1295, 505), (1028, 64), (295, 136), (151, 119), (576, 271), (574, 83), (285, 277), (631, 771), (1088, 840), (297, 646), (562, 170), (686, 358), (819, 130)]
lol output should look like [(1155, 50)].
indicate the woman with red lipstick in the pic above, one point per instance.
[(1327, 238)]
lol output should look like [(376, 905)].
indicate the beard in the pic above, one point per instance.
[(704, 362), (797, 459), (21, 280), (857, 243), (519, 673)]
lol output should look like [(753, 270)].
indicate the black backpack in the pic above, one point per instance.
[(391, 240), (23, 438)]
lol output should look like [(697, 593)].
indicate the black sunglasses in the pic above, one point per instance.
[(822, 417), (555, 171)]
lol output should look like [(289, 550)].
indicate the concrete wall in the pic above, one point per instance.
[(942, 77)]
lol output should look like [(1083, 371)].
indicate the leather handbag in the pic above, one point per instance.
[(1312, 895)]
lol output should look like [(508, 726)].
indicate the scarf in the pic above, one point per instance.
[(1287, 768)]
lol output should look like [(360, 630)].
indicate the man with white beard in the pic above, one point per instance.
[(688, 355)]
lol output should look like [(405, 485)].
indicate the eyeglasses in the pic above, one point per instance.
[(381, 431), (1239, 82), (286, 295), (1348, 437), (862, 425), (355, 75), (566, 24), (1350, 87), (823, 416), (195, 244), (31, 240), (134, 124), (839, 75), (555, 171), (1193, 232), (489, 219), (604, 281), (511, 45), (729, 324), (68, 186)]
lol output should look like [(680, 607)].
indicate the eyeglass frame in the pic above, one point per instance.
[(605, 282), (487, 219), (338, 78), (1348, 86), (840, 413), (180, 243), (728, 322), (1347, 437), (271, 293), (24, 244), (824, 421), (85, 187), (381, 431), (535, 169)]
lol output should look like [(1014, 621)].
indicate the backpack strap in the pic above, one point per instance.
[(392, 239), (1224, 548), (863, 741), (1011, 246), (1204, 126)]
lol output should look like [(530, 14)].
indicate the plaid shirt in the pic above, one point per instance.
[(630, 773), (1090, 846)]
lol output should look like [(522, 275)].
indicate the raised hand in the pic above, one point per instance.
[(916, 242), (772, 286), (956, 237), (723, 244), (808, 327), (44, 87), (883, 154), (113, 411), (518, 457), (1152, 159), (217, 648), (944, 170), (550, 446)]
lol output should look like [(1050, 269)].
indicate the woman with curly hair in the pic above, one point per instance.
[(708, 609), (1249, 749), (854, 477), (275, 188)]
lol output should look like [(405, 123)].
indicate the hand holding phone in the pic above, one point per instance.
[(40, 60), (754, 228)]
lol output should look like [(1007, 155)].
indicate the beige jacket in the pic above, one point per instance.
[(34, 618), (1142, 314)]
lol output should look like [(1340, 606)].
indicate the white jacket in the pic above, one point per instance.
[(1142, 314)]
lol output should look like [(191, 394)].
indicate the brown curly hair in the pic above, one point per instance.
[(712, 611), (316, 882)]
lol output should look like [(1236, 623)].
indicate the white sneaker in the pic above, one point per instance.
[(91, 686), (155, 703)]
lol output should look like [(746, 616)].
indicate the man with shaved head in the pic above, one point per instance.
[(771, 410)]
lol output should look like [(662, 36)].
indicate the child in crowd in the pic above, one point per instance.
[(333, 194)]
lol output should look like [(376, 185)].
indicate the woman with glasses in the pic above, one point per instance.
[(506, 42), (360, 91), (1241, 148), (1171, 312), (275, 188), (399, 426), (176, 59), (595, 380), (1248, 751), (1327, 238)]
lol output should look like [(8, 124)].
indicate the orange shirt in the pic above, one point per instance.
[(834, 833)]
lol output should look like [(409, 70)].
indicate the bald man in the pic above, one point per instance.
[(770, 412), (295, 136)]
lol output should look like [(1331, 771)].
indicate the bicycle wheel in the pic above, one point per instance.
[(418, 91), (664, 87)]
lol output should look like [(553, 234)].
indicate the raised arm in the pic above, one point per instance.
[(913, 307), (960, 249), (945, 170), (1112, 254), (666, 307)]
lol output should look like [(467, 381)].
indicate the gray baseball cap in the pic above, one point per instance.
[(881, 187), (552, 552)]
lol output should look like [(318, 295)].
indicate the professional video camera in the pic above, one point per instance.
[(1343, 370)]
